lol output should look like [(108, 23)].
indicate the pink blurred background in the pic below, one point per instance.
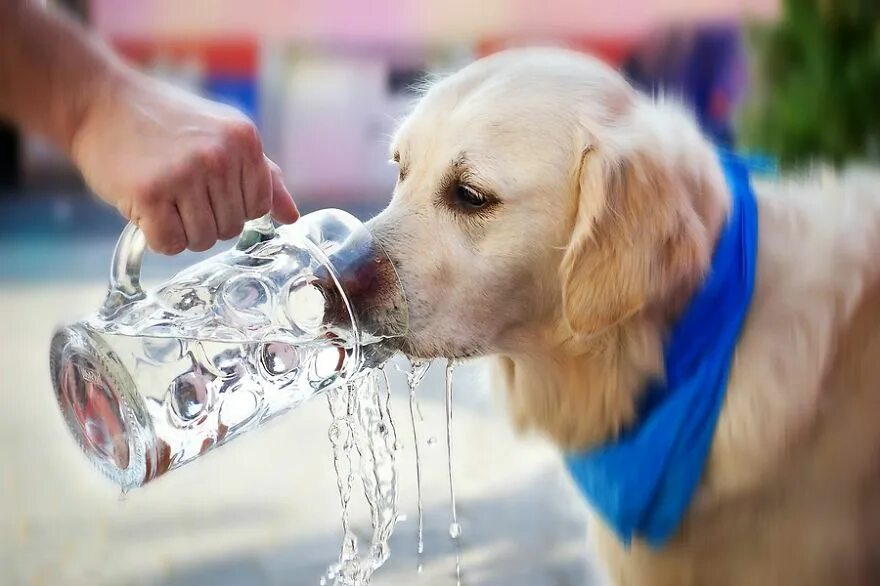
[(327, 81)]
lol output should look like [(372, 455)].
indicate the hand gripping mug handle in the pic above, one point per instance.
[(125, 269)]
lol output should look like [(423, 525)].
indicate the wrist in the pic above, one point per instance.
[(95, 99)]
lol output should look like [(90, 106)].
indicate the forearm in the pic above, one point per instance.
[(186, 170), (51, 73)]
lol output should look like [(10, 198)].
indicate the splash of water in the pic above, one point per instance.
[(363, 430), (364, 442), (383, 465)]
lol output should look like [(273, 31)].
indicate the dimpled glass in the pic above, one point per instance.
[(157, 378)]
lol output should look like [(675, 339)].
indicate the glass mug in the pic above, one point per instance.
[(157, 378)]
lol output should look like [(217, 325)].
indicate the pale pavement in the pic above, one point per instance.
[(264, 509)]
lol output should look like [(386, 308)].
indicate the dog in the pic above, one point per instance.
[(551, 218)]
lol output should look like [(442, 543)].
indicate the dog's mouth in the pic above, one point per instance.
[(415, 350)]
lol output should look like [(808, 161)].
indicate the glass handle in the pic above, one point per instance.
[(125, 269)]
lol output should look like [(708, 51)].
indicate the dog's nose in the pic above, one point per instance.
[(368, 289)]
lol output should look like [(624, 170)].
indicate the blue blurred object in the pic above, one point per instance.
[(56, 215), (240, 92), (703, 66), (761, 164)]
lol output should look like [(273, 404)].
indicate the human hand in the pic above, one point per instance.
[(186, 170)]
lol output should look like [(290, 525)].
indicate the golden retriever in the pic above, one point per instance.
[(551, 217)]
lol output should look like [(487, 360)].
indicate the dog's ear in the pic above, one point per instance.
[(637, 236)]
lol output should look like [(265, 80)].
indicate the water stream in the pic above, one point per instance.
[(364, 442), (454, 527), (413, 379)]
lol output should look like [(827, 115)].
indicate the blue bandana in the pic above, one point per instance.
[(642, 483)]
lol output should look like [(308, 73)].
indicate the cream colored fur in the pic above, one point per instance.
[(604, 210)]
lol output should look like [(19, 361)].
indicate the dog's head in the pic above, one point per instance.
[(540, 195)]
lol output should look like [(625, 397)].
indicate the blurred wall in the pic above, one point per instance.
[(327, 81), (409, 21)]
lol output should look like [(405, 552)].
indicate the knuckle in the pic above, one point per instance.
[(244, 135), (149, 191), (260, 207), (183, 171), (212, 158)]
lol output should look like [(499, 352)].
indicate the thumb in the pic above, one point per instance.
[(283, 207)]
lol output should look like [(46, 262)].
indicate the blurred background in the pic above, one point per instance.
[(788, 82)]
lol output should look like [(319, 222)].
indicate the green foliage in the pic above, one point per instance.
[(817, 83)]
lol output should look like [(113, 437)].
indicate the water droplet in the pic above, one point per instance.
[(432, 441), (454, 530), (188, 395), (322, 581)]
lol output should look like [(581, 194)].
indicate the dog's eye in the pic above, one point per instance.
[(469, 198)]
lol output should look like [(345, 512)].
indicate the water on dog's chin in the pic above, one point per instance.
[(364, 443)]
